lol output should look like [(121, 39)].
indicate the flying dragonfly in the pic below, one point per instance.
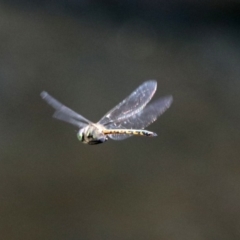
[(128, 118)]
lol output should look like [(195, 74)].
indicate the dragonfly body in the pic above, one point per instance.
[(95, 133), (128, 118)]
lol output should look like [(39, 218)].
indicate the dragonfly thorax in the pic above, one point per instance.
[(92, 134)]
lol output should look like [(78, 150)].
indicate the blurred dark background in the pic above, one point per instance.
[(184, 184)]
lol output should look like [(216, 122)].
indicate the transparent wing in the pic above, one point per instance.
[(141, 119), (132, 104), (119, 136), (64, 113)]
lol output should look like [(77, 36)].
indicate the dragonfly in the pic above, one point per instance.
[(127, 119)]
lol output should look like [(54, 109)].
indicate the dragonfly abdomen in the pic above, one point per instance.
[(130, 132)]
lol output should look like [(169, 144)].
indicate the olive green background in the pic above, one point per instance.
[(182, 185)]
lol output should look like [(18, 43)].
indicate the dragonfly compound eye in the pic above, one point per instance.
[(80, 136)]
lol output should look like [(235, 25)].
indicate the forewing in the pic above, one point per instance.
[(64, 113), (133, 104), (142, 119), (66, 118)]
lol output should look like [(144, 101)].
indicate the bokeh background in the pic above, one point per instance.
[(89, 54)]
